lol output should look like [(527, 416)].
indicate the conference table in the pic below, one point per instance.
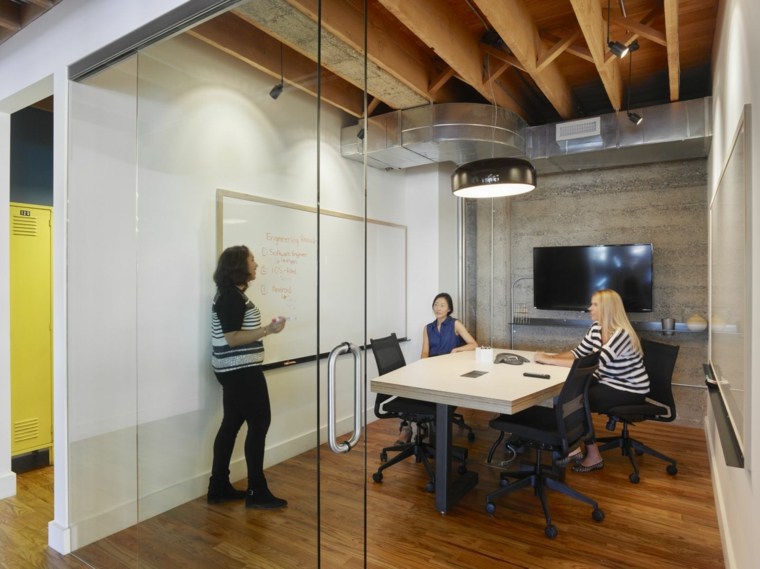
[(461, 380)]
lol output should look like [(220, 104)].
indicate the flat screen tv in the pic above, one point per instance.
[(564, 278)]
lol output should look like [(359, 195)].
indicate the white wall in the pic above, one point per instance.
[(736, 82)]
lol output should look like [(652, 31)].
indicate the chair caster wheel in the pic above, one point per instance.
[(672, 469), (597, 515), (634, 478), (377, 477), (551, 531), (490, 507), (430, 487)]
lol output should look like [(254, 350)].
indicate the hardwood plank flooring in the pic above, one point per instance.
[(664, 521)]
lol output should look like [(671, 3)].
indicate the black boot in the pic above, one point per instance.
[(261, 498), (220, 490)]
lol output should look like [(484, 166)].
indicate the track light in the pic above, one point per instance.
[(618, 49), (635, 118), (276, 90), (360, 134)]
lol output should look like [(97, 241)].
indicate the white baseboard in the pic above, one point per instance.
[(7, 484), (714, 454), (59, 538)]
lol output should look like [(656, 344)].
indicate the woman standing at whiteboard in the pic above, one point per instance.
[(237, 353)]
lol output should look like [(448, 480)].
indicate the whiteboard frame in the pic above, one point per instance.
[(222, 193)]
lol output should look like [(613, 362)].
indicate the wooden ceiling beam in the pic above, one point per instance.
[(578, 51), (395, 53), (558, 48), (640, 30), (438, 28), (589, 16), (247, 43), (674, 53), (10, 17), (511, 19)]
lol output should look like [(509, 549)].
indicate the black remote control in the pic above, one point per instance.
[(538, 375)]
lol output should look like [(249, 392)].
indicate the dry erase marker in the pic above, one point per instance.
[(538, 375)]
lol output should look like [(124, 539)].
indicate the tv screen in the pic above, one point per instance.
[(564, 278)]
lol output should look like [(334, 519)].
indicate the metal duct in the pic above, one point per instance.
[(463, 132)]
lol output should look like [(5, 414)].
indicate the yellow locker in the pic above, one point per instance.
[(31, 328)]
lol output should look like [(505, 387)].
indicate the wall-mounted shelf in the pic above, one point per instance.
[(653, 326)]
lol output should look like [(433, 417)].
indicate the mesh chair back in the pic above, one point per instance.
[(571, 406), (660, 361), (388, 357)]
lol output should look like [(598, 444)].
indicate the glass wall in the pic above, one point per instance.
[(175, 153)]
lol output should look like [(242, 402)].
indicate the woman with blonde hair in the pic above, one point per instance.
[(620, 379)]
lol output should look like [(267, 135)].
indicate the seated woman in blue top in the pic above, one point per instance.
[(445, 335), (621, 378)]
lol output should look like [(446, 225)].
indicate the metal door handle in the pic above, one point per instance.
[(344, 446)]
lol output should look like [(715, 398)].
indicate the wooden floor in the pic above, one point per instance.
[(664, 521)]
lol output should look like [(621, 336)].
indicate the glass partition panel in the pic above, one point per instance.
[(102, 306), (226, 134)]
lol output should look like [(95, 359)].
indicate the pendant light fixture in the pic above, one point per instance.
[(493, 178), (633, 117), (618, 49)]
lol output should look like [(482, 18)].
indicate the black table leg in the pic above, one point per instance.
[(448, 491)]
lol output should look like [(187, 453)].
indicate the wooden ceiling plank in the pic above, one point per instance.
[(514, 24), (247, 43), (640, 29), (390, 50), (593, 27), (574, 49), (674, 52), (46, 4), (439, 81), (503, 56), (438, 28), (556, 50), (10, 17)]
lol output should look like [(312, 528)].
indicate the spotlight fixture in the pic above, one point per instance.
[(618, 49), (493, 178), (635, 118), (360, 134), (276, 91)]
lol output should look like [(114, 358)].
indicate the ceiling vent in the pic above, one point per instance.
[(578, 129)]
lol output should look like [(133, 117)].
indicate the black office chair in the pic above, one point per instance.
[(556, 429), (389, 357), (659, 361)]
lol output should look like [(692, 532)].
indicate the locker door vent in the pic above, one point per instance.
[(26, 430), (24, 225)]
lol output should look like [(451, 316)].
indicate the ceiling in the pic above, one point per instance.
[(545, 60)]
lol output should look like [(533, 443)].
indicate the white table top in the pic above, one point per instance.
[(502, 389)]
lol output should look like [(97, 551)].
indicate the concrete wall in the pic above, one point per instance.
[(663, 204)]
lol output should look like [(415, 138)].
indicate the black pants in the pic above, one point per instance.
[(602, 398), (245, 399)]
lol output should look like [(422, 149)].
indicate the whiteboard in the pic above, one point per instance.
[(730, 282), (287, 241)]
